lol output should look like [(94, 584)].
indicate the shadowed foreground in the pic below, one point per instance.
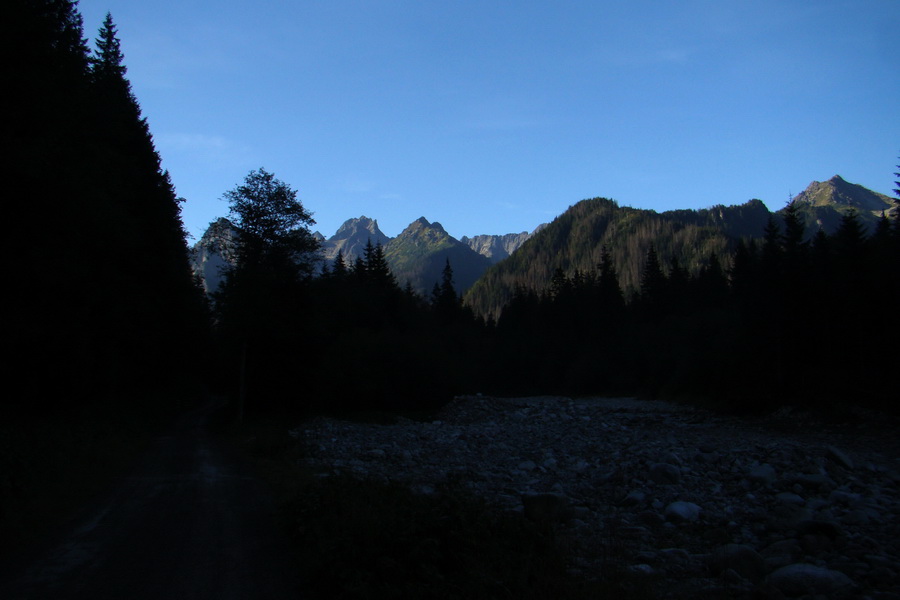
[(189, 522)]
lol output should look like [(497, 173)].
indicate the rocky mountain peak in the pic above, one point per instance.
[(421, 227), (351, 239), (352, 227), (840, 192)]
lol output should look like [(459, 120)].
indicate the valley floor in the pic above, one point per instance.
[(677, 499)]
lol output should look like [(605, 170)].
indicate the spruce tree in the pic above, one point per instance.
[(445, 301), (339, 267), (608, 288), (139, 206), (653, 284), (378, 273)]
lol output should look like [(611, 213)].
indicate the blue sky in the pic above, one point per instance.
[(494, 116)]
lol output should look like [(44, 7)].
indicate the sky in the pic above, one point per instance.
[(494, 116)]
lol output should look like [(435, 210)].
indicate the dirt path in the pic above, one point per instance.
[(189, 523)]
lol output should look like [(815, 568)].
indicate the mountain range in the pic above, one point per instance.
[(488, 268)]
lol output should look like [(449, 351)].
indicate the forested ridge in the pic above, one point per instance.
[(573, 243)]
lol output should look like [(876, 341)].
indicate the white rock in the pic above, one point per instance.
[(682, 511)]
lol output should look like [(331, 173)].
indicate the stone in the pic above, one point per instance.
[(790, 498), (641, 570), (804, 579), (856, 516), (741, 558), (781, 553), (665, 473), (815, 481), (762, 474), (634, 498), (680, 510), (839, 457), (844, 497), (828, 529)]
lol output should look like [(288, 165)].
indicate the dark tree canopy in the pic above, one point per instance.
[(272, 224), (120, 306)]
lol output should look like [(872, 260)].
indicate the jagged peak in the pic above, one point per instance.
[(350, 226), (423, 224)]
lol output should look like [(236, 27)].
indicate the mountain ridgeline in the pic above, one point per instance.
[(417, 256), (685, 239), (488, 269)]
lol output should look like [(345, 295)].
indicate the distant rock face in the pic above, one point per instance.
[(213, 253), (498, 247), (351, 239)]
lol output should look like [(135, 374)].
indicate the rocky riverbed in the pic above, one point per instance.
[(675, 499)]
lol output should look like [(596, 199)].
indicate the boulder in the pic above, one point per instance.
[(802, 579), (680, 510), (763, 474), (742, 559), (665, 473), (839, 457)]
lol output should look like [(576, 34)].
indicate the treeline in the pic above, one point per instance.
[(791, 321), (103, 309), (784, 319)]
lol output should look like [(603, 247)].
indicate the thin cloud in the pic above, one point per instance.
[(355, 185), (214, 148)]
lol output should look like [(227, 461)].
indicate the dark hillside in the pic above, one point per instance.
[(573, 241)]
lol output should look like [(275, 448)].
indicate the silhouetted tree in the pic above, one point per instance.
[(260, 304), (339, 267), (653, 284), (378, 273), (609, 291)]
